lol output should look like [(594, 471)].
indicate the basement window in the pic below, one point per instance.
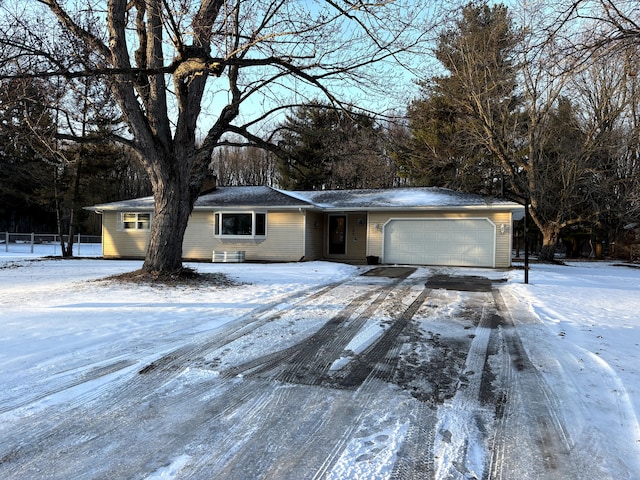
[(240, 224)]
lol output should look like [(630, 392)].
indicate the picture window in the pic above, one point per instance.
[(240, 224)]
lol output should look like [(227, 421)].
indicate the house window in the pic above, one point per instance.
[(240, 224), (135, 221)]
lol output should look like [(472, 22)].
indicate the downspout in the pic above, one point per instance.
[(304, 233), (100, 212)]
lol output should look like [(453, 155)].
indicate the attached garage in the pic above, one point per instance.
[(469, 242)]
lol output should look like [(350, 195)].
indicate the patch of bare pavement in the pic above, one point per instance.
[(439, 387)]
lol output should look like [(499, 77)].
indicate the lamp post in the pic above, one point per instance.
[(522, 201), (526, 243)]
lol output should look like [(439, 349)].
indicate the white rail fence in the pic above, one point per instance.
[(48, 243)]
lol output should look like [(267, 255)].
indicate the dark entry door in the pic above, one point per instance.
[(337, 234)]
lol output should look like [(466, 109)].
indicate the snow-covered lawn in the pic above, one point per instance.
[(589, 346), (65, 336)]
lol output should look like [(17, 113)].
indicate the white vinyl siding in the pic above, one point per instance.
[(198, 241), (283, 243), (120, 243), (504, 239)]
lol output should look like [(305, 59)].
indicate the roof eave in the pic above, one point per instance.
[(254, 207), (495, 207)]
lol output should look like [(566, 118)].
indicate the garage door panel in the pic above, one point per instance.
[(459, 249), (460, 242)]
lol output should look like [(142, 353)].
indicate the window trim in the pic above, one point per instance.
[(217, 223), (136, 224)]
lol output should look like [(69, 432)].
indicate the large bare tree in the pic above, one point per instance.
[(601, 39), (604, 24), (186, 72)]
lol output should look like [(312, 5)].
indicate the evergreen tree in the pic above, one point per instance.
[(448, 143), (329, 148), (25, 171), (45, 176), (305, 137)]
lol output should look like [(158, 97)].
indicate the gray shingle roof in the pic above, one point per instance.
[(383, 199), (249, 197), (417, 197)]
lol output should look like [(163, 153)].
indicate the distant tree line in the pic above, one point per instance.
[(320, 147), (44, 180)]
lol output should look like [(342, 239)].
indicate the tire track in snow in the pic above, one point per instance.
[(93, 373), (332, 429), (375, 359), (415, 457), (463, 421), (529, 436), (376, 365), (122, 412), (161, 370), (308, 418), (137, 436), (174, 358), (244, 326), (309, 361), (332, 425), (297, 356), (244, 426), (148, 380)]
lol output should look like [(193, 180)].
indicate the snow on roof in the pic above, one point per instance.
[(248, 197), (232, 197), (417, 197), (142, 203), (261, 196)]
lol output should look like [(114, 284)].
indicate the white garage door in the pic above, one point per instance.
[(463, 242)]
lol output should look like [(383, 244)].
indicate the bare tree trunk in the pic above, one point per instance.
[(550, 236), (67, 247), (75, 195), (57, 197), (171, 214)]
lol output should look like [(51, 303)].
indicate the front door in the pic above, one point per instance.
[(337, 234)]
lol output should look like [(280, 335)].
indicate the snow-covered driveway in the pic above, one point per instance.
[(311, 370)]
